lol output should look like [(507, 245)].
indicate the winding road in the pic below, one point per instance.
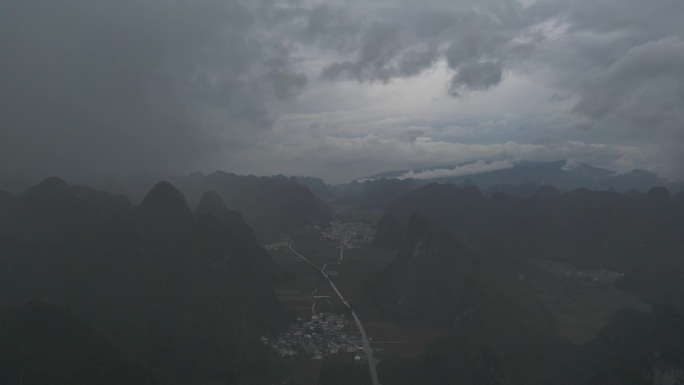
[(372, 362)]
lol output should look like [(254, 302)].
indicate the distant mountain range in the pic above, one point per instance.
[(270, 205), (522, 179), (174, 287), (563, 175), (12, 185)]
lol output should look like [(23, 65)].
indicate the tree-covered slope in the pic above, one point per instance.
[(499, 332), (185, 295), (42, 344), (638, 234), (488, 306)]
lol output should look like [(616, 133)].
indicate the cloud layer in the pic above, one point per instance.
[(466, 169), (92, 86), (338, 89)]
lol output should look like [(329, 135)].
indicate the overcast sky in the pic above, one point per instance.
[(338, 89)]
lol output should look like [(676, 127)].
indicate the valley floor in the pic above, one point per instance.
[(308, 294)]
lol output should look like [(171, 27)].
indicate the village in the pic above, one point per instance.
[(346, 233), (349, 232), (324, 335)]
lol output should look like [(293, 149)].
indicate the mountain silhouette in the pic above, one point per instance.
[(185, 296), (271, 206)]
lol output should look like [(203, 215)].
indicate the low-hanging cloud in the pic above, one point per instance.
[(466, 169), (480, 39)]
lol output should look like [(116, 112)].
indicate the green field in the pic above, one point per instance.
[(583, 307), (581, 315), (356, 374), (359, 266), (360, 215), (319, 253), (401, 371)]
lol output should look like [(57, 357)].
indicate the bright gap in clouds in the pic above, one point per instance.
[(346, 130), (338, 89)]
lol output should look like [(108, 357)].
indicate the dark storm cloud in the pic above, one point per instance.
[(644, 85), (476, 76), (328, 27), (619, 59), (480, 40), (92, 86), (642, 93), (470, 48), (380, 45), (630, 67)]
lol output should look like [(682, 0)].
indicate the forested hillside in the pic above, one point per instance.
[(184, 295)]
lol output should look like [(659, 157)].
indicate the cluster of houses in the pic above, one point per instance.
[(348, 232), (601, 275), (322, 336)]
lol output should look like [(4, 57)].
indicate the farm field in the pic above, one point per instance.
[(580, 316), (587, 306)]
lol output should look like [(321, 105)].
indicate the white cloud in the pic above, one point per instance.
[(237, 85), (341, 159), (466, 169)]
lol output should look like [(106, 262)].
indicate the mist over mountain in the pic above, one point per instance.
[(270, 205), (12, 185), (437, 277), (40, 344), (637, 234), (184, 295), (500, 330), (528, 228), (375, 194), (562, 174), (522, 179), (318, 187), (679, 198), (160, 292), (53, 210), (494, 315), (242, 236)]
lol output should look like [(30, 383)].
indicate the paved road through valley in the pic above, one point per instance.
[(364, 338)]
